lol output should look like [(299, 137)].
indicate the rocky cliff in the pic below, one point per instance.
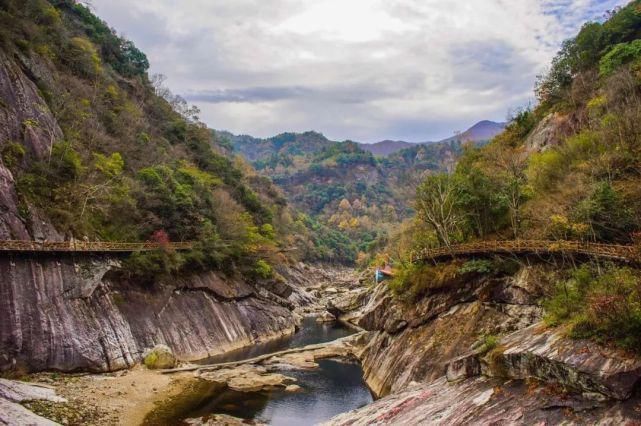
[(77, 314), (477, 351), (82, 128)]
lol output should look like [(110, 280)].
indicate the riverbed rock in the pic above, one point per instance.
[(247, 378), (325, 317), (12, 414), (221, 420), (297, 361), (486, 401), (347, 302), (13, 392), (546, 354), (16, 391), (159, 357), (293, 388)]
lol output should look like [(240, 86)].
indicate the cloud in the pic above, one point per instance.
[(359, 69)]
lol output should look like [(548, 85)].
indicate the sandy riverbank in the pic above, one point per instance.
[(120, 398)]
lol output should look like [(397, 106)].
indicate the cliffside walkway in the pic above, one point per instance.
[(88, 246), (616, 252)]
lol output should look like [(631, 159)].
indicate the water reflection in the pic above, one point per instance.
[(334, 388), (310, 332)]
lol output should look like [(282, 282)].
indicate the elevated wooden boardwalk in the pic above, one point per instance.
[(88, 246), (623, 253)]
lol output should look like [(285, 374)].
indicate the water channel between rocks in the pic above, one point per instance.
[(335, 387)]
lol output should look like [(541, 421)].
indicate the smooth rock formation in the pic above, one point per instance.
[(248, 378), (549, 132), (577, 364), (391, 361), (487, 401), (14, 392), (440, 369), (325, 317), (25, 118), (69, 313)]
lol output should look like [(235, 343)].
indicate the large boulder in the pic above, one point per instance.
[(549, 132), (159, 357), (582, 365), (347, 302)]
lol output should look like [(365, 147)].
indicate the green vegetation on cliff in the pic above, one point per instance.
[(567, 169), (124, 158)]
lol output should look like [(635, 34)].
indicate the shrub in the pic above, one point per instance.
[(604, 305), (414, 281), (145, 267), (608, 214), (12, 154), (481, 266), (619, 55), (489, 342), (66, 163), (263, 269), (83, 58)]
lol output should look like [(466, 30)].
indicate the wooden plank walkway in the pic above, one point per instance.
[(88, 246), (522, 247)]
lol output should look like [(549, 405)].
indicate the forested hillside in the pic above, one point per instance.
[(569, 169), (92, 147), (344, 186)]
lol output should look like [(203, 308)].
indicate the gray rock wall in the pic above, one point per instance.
[(71, 314)]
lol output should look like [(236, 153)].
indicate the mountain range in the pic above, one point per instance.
[(481, 131), (255, 149)]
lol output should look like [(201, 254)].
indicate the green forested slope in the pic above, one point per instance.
[(109, 154), (568, 169)]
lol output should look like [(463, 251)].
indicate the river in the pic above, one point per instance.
[(335, 387)]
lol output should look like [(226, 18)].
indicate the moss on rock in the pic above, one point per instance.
[(160, 356)]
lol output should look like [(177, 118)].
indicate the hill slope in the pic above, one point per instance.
[(569, 169), (88, 148)]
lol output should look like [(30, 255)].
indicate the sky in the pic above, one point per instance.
[(365, 70)]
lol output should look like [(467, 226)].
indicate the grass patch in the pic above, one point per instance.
[(417, 280), (489, 342)]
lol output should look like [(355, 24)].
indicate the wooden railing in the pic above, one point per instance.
[(608, 251), (88, 246)]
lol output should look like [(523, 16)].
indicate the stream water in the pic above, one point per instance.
[(310, 332), (333, 388)]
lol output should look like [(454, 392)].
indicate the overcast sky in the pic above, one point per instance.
[(364, 70)]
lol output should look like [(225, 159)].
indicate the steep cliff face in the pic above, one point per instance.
[(75, 314), (88, 148), (414, 342), (432, 361), (25, 118)]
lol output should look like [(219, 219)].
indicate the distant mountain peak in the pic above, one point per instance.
[(312, 141)]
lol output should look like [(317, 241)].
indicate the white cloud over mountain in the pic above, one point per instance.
[(360, 69)]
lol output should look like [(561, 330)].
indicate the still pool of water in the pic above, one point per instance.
[(333, 388), (310, 332)]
